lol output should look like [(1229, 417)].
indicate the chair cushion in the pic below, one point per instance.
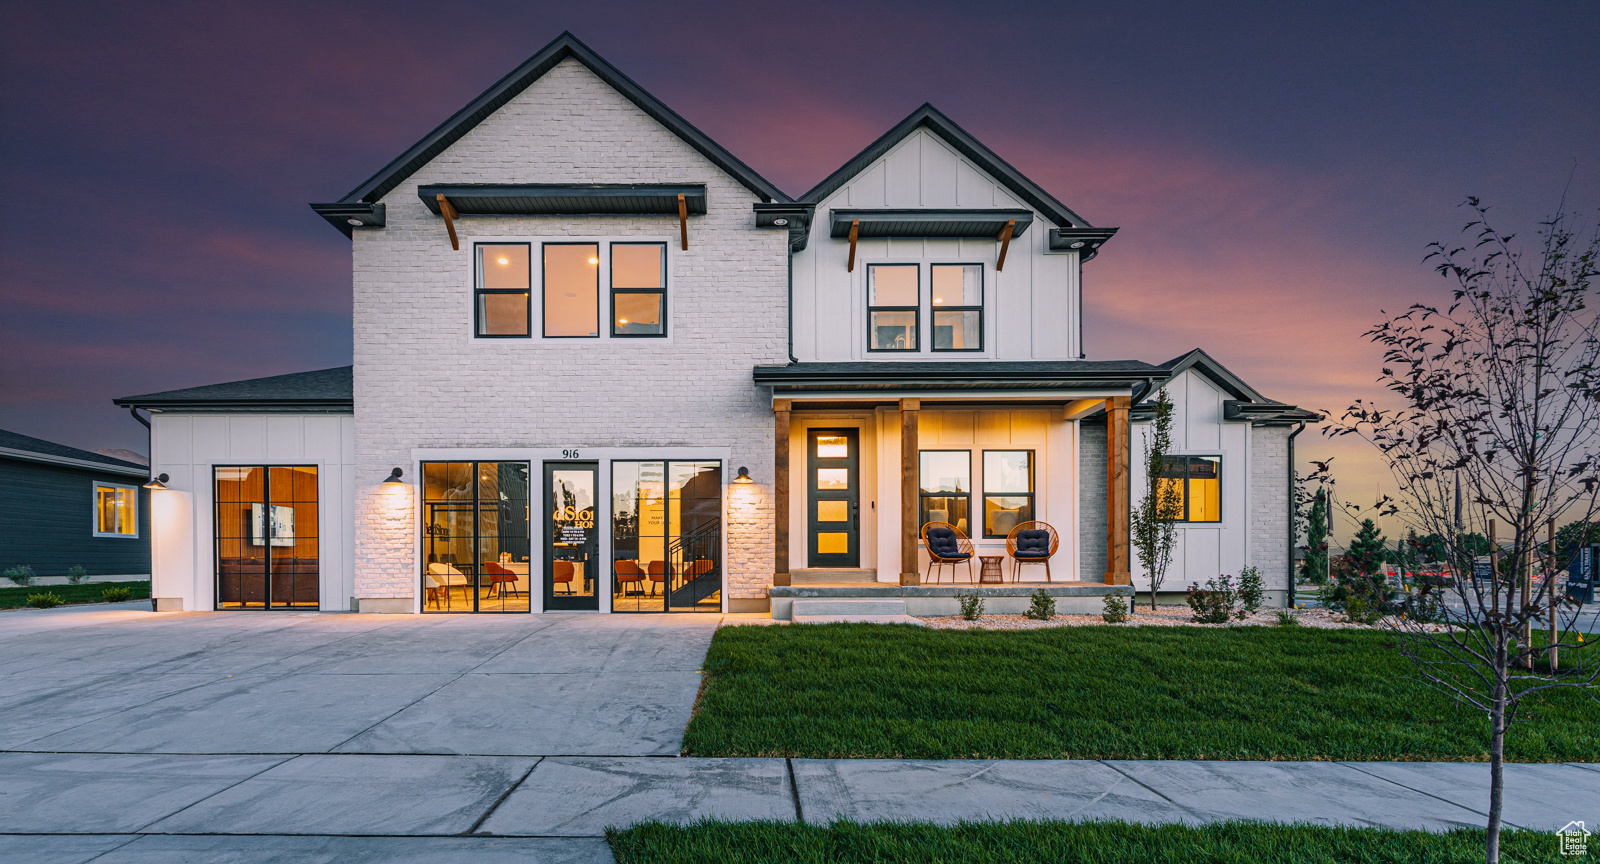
[(1033, 543), (946, 543)]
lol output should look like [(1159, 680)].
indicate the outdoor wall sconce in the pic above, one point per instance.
[(157, 482), (744, 475), (394, 476)]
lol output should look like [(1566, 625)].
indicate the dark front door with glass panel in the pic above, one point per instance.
[(666, 536), (475, 537), (267, 551), (571, 543), (833, 524)]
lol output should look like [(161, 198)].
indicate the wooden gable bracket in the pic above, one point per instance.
[(855, 229), (1005, 244), (450, 216), (683, 221)]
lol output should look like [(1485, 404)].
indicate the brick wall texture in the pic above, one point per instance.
[(422, 381), (1269, 504), (1092, 500)]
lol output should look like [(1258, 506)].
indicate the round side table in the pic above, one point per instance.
[(989, 568)]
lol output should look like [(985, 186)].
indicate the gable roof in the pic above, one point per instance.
[(930, 118), (489, 101), (324, 390), (14, 445), (1247, 402)]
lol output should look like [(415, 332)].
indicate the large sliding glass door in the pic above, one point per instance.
[(266, 537), (476, 547), (666, 536)]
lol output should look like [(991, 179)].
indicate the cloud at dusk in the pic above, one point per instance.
[(1276, 172)]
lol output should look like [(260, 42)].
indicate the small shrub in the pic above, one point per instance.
[(1287, 618), (116, 595), (1043, 607), (21, 574), (46, 600), (1113, 609), (76, 574), (1359, 611), (1212, 604), (1250, 591), (971, 605)]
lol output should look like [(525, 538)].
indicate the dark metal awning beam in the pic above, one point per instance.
[(553, 199), (929, 223)]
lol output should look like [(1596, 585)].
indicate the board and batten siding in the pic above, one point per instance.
[(47, 522), (186, 447), (1030, 308)]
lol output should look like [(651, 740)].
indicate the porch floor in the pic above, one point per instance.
[(931, 601)]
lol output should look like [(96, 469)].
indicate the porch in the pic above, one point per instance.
[(928, 601)]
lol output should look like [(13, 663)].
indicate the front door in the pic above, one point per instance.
[(833, 523), (571, 544)]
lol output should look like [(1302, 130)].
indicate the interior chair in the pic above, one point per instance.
[(449, 577), (627, 572), (561, 573), (946, 545), (658, 576), (1031, 543), (499, 578)]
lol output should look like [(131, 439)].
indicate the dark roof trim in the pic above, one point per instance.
[(1085, 241), (26, 448), (956, 376), (347, 217), (1267, 412), (966, 145), (784, 214), (1206, 365), (566, 45), (928, 223), (1247, 403), (321, 391), (551, 199)]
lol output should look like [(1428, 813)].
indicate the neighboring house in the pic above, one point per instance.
[(62, 507), (601, 364)]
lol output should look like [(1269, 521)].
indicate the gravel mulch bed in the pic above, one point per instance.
[(1166, 616)]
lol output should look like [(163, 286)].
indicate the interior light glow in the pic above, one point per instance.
[(594, 260), (504, 261), (622, 320)]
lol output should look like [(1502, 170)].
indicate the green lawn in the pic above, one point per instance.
[(1096, 842), (864, 690), (11, 598)]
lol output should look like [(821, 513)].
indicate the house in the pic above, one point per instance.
[(61, 507), (601, 364)]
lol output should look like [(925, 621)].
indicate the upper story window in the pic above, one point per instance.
[(571, 290), (502, 291), (116, 510), (894, 304), (957, 307), (1199, 482), (638, 289)]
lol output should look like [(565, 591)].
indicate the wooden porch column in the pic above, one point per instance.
[(1117, 490), (780, 492), (909, 469)]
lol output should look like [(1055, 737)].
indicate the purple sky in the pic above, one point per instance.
[(1276, 170)]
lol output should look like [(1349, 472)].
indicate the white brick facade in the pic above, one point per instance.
[(1269, 504), (422, 381)]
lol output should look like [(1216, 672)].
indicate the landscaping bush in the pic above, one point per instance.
[(76, 574), (1250, 591), (971, 605), (1287, 618), (118, 594), (1212, 604), (21, 574), (1043, 607), (1113, 609), (44, 601), (1359, 611)]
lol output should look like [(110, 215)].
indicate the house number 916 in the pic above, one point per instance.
[(569, 454)]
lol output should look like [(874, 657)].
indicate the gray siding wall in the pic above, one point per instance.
[(1092, 500), (47, 522)]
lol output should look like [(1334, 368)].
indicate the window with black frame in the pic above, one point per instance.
[(894, 302), (638, 289), (957, 307), (666, 536), (501, 305), (476, 549), (946, 488), (1007, 491), (571, 290), (1199, 484)]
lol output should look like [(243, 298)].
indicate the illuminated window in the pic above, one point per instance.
[(1007, 490), (638, 289), (1199, 483), (571, 290), (116, 510), (502, 293), (894, 299), (957, 307), (946, 487)]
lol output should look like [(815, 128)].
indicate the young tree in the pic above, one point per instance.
[(1315, 568), (1501, 389), (1366, 550), (1151, 527)]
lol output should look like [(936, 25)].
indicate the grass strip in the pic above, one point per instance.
[(88, 592), (874, 691), (1027, 842)]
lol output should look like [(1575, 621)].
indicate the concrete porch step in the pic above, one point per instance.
[(859, 619), (816, 575), (854, 606)]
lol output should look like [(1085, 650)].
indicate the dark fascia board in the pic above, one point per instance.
[(316, 391), (1206, 365), (1085, 241), (955, 375), (966, 145), (564, 46), (560, 199), (928, 223), (1265, 412), (348, 216), (784, 214)]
